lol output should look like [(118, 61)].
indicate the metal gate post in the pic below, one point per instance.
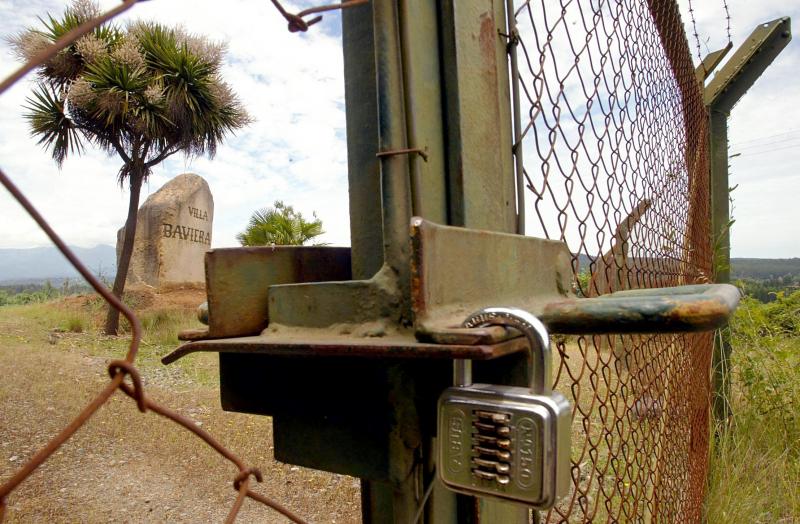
[(720, 229), (480, 162), (722, 93), (458, 172)]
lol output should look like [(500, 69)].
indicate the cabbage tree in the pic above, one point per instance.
[(142, 92)]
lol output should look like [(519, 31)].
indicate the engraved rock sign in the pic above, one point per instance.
[(173, 232)]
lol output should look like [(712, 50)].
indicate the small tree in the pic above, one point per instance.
[(144, 92), (280, 225)]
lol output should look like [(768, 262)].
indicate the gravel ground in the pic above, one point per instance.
[(124, 466)]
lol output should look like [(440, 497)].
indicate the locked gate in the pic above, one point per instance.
[(462, 115)]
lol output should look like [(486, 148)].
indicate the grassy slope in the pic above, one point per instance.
[(755, 468), (159, 473), (125, 466)]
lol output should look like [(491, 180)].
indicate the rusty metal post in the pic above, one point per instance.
[(720, 229), (481, 175)]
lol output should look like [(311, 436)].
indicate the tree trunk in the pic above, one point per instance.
[(124, 262)]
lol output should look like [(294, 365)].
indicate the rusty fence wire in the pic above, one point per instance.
[(612, 145), (123, 373)]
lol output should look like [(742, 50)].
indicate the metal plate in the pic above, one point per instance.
[(456, 271), (238, 281), (326, 345)]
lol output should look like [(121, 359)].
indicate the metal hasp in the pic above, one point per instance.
[(721, 94), (349, 350)]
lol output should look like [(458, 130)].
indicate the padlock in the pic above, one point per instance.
[(507, 442)]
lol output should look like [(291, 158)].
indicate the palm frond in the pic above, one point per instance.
[(200, 105), (145, 92), (68, 64), (50, 123), (118, 89), (77, 13), (280, 225)]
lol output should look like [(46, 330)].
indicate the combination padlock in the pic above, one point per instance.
[(507, 442)]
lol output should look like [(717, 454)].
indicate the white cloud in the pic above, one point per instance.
[(764, 207), (293, 86)]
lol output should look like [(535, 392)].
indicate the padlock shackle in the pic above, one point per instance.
[(532, 328), (462, 372)]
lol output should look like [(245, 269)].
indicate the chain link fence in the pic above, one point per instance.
[(612, 142), (124, 375)]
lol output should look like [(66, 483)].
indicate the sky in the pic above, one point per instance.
[(292, 84)]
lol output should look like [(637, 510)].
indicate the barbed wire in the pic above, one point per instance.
[(118, 369), (727, 19), (695, 33)]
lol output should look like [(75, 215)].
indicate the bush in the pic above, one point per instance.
[(755, 466), (766, 362), (74, 324)]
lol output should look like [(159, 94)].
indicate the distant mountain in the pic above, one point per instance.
[(47, 263), (35, 265), (764, 268), (753, 268)]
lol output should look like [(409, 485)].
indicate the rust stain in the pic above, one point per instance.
[(418, 302), (701, 312), (404, 346), (487, 38), (646, 314)]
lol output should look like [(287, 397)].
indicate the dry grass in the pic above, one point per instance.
[(124, 466), (128, 467), (755, 465)]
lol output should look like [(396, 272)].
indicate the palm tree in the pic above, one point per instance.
[(279, 225), (143, 92)]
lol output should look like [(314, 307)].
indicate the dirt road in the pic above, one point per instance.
[(124, 466)]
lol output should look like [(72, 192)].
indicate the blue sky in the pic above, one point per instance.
[(295, 151)]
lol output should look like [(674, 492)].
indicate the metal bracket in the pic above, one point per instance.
[(747, 64), (710, 62), (454, 271)]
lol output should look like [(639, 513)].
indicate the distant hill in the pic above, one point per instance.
[(764, 268), (752, 268), (35, 265), (47, 263)]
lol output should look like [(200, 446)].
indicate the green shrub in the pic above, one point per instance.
[(755, 464), (75, 324)]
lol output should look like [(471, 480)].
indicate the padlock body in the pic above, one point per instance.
[(505, 442)]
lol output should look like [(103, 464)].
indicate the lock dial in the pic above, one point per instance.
[(491, 446)]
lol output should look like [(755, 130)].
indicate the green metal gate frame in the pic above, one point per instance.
[(357, 344)]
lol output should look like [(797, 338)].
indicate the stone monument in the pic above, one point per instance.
[(173, 232)]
